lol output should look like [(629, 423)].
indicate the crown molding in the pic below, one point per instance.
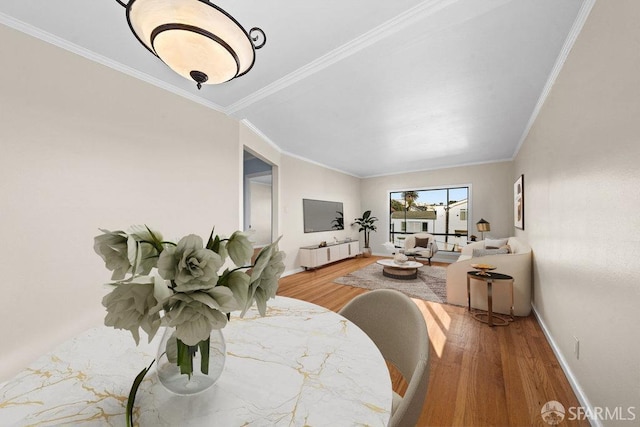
[(92, 56), (451, 166), (576, 28), (382, 31), (253, 128), (322, 165)]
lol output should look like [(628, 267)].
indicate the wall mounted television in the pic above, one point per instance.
[(321, 215)]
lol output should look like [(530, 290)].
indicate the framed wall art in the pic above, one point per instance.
[(518, 203)]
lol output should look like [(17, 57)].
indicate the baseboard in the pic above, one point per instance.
[(573, 381)]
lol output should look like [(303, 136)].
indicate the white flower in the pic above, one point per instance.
[(144, 246), (190, 265), (238, 283), (128, 307), (113, 249), (196, 314), (264, 276), (239, 248)]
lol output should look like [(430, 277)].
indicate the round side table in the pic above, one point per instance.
[(488, 278)]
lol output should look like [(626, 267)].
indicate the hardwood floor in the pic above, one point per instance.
[(480, 376)]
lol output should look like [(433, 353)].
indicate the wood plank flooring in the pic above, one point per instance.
[(480, 376)]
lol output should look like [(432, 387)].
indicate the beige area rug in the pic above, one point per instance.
[(431, 284)]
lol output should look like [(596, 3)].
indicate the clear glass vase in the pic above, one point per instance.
[(181, 368)]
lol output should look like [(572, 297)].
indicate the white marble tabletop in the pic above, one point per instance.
[(301, 365), (391, 263)]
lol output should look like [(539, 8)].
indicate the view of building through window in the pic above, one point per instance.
[(441, 212)]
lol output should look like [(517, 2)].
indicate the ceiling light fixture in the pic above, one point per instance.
[(195, 38)]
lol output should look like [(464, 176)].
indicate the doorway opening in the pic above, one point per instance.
[(258, 198)]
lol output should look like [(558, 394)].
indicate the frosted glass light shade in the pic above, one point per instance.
[(195, 38)]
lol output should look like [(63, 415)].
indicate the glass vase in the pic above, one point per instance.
[(186, 370)]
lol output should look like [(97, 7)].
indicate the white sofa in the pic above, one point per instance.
[(517, 264)]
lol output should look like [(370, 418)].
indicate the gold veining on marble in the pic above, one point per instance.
[(375, 408), (324, 369)]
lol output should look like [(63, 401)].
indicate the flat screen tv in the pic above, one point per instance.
[(320, 215)]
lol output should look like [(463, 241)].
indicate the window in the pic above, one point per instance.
[(442, 212)]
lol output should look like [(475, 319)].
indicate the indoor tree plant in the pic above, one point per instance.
[(366, 223)]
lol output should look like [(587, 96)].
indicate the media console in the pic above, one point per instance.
[(315, 256)]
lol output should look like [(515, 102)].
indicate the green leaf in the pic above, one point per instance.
[(132, 394), (211, 241), (157, 243), (204, 356), (185, 359)]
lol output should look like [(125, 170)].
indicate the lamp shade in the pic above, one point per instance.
[(483, 225), (195, 38)]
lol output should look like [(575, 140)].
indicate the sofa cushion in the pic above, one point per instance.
[(495, 243), (485, 252), (422, 242)]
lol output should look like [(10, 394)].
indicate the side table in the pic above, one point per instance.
[(489, 278)]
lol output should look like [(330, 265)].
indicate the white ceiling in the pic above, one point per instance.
[(367, 87)]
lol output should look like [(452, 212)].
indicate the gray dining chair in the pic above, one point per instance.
[(397, 327)]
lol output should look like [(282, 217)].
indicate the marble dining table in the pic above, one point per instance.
[(300, 365)]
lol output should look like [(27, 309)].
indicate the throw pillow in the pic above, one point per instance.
[(422, 242), (507, 247), (495, 243), (485, 252)]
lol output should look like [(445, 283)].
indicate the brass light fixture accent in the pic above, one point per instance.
[(195, 38)]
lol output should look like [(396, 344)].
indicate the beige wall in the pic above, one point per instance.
[(304, 180), (88, 147), (491, 196), (83, 147), (580, 163)]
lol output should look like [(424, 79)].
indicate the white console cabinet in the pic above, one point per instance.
[(314, 256)]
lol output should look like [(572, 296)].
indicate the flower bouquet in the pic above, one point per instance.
[(180, 285)]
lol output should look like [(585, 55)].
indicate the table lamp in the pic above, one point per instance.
[(483, 226)]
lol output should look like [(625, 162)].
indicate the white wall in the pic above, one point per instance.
[(82, 147), (580, 163), (490, 196), (260, 212), (304, 180)]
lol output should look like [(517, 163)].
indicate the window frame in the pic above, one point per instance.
[(448, 242)]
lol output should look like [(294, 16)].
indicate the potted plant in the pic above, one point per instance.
[(366, 223), (338, 222)]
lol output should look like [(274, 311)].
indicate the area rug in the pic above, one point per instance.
[(431, 284)]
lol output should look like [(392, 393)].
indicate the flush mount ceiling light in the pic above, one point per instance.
[(195, 38)]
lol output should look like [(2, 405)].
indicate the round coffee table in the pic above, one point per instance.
[(406, 271)]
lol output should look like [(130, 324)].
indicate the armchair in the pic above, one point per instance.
[(420, 245)]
